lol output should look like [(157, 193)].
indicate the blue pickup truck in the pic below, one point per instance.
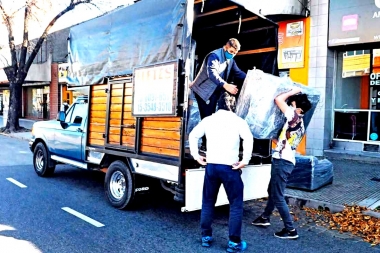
[(134, 124), (61, 140)]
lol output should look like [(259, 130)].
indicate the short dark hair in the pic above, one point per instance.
[(234, 43), (302, 102), (227, 102)]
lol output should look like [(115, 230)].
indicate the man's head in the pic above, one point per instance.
[(227, 102), (300, 102), (231, 48)]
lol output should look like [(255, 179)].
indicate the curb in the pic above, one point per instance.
[(321, 205), (15, 137), (312, 203)]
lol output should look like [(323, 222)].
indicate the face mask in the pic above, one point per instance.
[(228, 55)]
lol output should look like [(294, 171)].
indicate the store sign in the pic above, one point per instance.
[(374, 79), (63, 72), (155, 90), (353, 22), (291, 40)]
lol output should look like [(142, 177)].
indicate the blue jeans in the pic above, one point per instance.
[(215, 175), (281, 169)]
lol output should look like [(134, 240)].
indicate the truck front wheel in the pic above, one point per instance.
[(119, 185), (41, 161)]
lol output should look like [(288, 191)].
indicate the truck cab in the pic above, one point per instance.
[(62, 140)]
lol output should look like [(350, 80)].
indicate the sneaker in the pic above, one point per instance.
[(287, 234), (261, 221), (206, 241), (236, 247)]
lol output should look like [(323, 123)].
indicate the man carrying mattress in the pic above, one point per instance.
[(294, 106)]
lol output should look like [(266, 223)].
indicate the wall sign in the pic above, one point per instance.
[(353, 22), (291, 43), (374, 79), (155, 90)]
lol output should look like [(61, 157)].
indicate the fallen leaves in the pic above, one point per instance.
[(350, 220)]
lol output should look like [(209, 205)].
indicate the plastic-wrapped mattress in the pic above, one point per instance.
[(310, 173), (256, 103)]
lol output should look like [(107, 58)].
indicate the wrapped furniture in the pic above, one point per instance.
[(256, 103), (310, 173)]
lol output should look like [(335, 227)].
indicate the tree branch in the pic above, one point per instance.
[(24, 46), (11, 41), (44, 35)]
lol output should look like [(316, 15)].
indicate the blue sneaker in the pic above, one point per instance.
[(206, 241), (236, 247)]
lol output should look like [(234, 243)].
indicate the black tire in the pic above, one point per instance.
[(119, 185), (41, 161)]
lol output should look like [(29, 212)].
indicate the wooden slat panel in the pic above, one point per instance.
[(97, 128), (161, 134), (99, 107), (152, 142), (162, 125), (171, 119), (161, 151), (96, 136), (98, 114), (119, 92), (117, 115), (127, 140), (98, 100), (98, 93), (126, 122), (98, 121), (100, 87), (118, 100), (257, 51), (96, 142), (118, 108), (126, 131)]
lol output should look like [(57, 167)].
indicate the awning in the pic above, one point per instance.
[(36, 84)]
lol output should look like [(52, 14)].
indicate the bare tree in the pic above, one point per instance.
[(18, 67)]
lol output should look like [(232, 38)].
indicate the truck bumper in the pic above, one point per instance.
[(31, 142)]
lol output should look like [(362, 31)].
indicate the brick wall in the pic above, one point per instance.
[(54, 94)]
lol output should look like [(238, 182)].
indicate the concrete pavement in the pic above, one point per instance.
[(26, 123)]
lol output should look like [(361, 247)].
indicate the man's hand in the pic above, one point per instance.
[(238, 165), (202, 160), (231, 88)]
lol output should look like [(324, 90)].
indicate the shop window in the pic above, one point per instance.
[(357, 96)]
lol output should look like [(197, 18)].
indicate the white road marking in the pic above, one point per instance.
[(16, 182), (24, 152), (83, 217)]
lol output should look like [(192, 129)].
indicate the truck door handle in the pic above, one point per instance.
[(79, 130)]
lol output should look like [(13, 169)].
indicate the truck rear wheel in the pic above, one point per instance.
[(41, 161), (119, 185)]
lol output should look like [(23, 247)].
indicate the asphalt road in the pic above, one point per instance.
[(36, 216)]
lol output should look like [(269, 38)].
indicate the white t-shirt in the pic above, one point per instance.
[(290, 136), (223, 131)]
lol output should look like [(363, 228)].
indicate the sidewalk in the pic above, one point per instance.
[(28, 124), (355, 183)]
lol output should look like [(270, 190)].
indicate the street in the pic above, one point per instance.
[(69, 213)]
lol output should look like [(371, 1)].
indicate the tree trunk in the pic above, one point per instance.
[(14, 106)]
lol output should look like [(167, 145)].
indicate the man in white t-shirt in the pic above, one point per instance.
[(223, 130), (283, 159)]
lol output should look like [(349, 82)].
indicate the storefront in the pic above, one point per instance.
[(354, 39), (37, 101)]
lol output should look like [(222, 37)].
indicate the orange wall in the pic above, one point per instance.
[(364, 96), (301, 75)]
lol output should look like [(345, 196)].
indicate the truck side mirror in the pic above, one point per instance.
[(61, 116)]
